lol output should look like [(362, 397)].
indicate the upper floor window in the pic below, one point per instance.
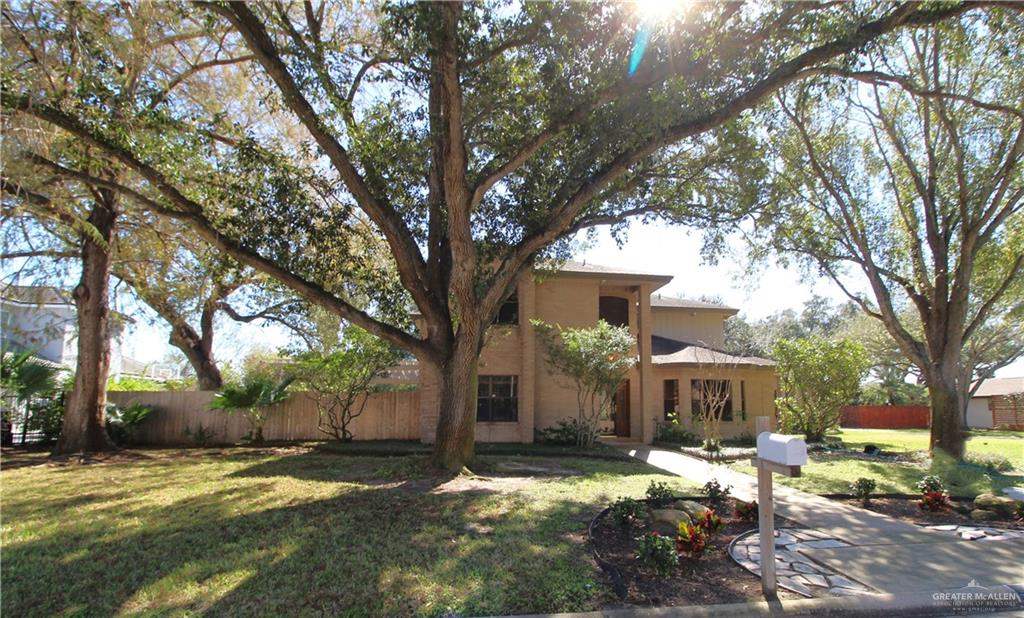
[(614, 310), (712, 396), (497, 399), (509, 311)]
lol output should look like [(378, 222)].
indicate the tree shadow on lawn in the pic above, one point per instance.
[(393, 549)]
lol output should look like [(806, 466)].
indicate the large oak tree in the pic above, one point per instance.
[(913, 179), (476, 139)]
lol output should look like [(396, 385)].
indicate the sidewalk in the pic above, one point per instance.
[(889, 555)]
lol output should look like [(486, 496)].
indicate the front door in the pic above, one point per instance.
[(620, 408)]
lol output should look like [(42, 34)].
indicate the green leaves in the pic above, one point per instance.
[(255, 391), (817, 377)]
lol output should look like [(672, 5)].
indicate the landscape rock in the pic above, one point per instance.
[(1003, 505), (670, 516), (691, 508), (983, 515)]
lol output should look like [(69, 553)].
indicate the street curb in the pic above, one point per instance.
[(910, 604)]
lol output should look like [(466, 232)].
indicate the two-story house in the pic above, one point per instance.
[(43, 320), (679, 346)]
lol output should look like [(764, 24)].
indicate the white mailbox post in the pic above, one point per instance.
[(784, 455)]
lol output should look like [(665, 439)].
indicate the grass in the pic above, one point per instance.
[(299, 531), (829, 473), (1009, 444)]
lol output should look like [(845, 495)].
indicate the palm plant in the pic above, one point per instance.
[(22, 377), (253, 396)]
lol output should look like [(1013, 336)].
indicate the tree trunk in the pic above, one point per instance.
[(84, 427), (456, 421), (199, 352), (946, 401)]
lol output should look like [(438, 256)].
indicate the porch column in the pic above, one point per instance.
[(648, 388)]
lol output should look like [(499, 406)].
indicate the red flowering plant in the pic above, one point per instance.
[(692, 540), (933, 501), (747, 511), (710, 522), (933, 494)]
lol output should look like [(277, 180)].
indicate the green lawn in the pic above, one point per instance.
[(832, 473), (299, 531), (1009, 444)]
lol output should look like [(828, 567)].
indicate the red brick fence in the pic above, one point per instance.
[(886, 417)]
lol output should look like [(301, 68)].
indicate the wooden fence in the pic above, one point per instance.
[(886, 417), (178, 415)]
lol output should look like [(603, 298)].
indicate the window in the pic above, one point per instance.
[(497, 399), (671, 397), (714, 391), (509, 311), (614, 310)]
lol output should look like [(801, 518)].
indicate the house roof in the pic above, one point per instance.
[(47, 296), (665, 351), (39, 360), (36, 295), (573, 268), (994, 387), (666, 302)]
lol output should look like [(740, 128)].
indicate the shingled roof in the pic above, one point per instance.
[(665, 351)]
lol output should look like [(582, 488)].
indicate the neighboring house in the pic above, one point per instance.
[(42, 319), (158, 371), (678, 342), (998, 403)]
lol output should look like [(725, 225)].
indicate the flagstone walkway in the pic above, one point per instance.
[(879, 552)]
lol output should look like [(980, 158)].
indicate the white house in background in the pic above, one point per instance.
[(42, 319), (998, 403)]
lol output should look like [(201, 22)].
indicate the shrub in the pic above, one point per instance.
[(747, 511), (123, 423), (744, 440), (931, 484), (658, 553), (862, 489), (710, 522), (47, 417), (1018, 513), (715, 493), (201, 436), (994, 463), (711, 445), (568, 432), (132, 383), (627, 511), (817, 377), (674, 433), (692, 540), (252, 397), (933, 501), (659, 493)]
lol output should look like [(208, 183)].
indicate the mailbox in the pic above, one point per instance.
[(782, 449)]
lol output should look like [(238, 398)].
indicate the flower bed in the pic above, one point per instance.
[(702, 571)]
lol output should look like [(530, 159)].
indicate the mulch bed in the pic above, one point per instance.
[(906, 509), (713, 578)]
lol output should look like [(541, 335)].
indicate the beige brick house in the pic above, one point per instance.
[(677, 345)]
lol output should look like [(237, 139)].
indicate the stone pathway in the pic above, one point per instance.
[(794, 570), (977, 533), (877, 552)]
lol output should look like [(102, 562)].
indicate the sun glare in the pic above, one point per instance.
[(658, 10)]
